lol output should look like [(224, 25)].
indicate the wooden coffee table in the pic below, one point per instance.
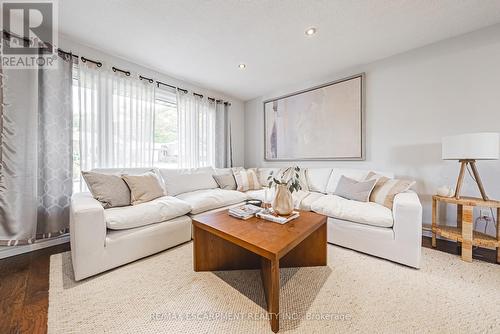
[(222, 242)]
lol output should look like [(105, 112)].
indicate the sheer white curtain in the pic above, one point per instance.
[(196, 128), (114, 115)]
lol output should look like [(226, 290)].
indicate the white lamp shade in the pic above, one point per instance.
[(473, 146)]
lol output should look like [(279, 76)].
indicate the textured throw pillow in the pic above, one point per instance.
[(144, 187), (386, 189), (246, 180), (225, 181), (109, 189), (352, 189)]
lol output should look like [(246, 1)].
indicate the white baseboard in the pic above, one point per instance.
[(8, 251)]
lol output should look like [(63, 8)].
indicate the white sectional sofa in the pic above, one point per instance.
[(102, 239)]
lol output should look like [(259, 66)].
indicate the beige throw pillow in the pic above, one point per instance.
[(225, 181), (354, 190), (144, 187), (246, 180), (386, 189), (109, 189)]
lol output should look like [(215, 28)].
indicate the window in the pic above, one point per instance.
[(114, 122), (121, 123), (166, 135)]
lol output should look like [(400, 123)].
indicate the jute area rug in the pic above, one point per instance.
[(355, 293)]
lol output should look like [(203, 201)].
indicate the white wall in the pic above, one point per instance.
[(237, 106), (412, 101)]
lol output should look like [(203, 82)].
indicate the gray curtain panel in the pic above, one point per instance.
[(36, 154), (55, 148), (18, 165), (223, 144)]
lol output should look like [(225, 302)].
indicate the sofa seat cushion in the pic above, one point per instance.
[(368, 213), (209, 199), (308, 200), (155, 211)]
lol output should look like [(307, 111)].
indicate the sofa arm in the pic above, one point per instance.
[(407, 214), (87, 230)]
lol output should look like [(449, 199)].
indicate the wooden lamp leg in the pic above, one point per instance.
[(498, 234), (459, 221), (434, 221), (467, 233), (460, 181), (478, 179)]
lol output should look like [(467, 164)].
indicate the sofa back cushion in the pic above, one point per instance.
[(128, 171), (355, 174), (317, 179), (179, 181), (223, 171)]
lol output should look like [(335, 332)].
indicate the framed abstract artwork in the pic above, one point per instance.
[(325, 122)]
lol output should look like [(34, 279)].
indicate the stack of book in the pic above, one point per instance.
[(273, 217), (245, 211)]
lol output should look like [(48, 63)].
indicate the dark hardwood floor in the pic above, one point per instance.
[(24, 291), (24, 286)]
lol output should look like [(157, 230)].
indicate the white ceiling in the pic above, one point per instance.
[(203, 41)]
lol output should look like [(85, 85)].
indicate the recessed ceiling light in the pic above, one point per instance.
[(242, 66), (311, 31)]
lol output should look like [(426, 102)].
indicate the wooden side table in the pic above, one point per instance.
[(464, 231)]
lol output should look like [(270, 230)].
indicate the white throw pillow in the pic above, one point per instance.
[(317, 179)]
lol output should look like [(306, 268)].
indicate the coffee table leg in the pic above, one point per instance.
[(270, 271)]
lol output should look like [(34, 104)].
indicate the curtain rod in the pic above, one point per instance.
[(116, 69), (150, 80), (9, 35)]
